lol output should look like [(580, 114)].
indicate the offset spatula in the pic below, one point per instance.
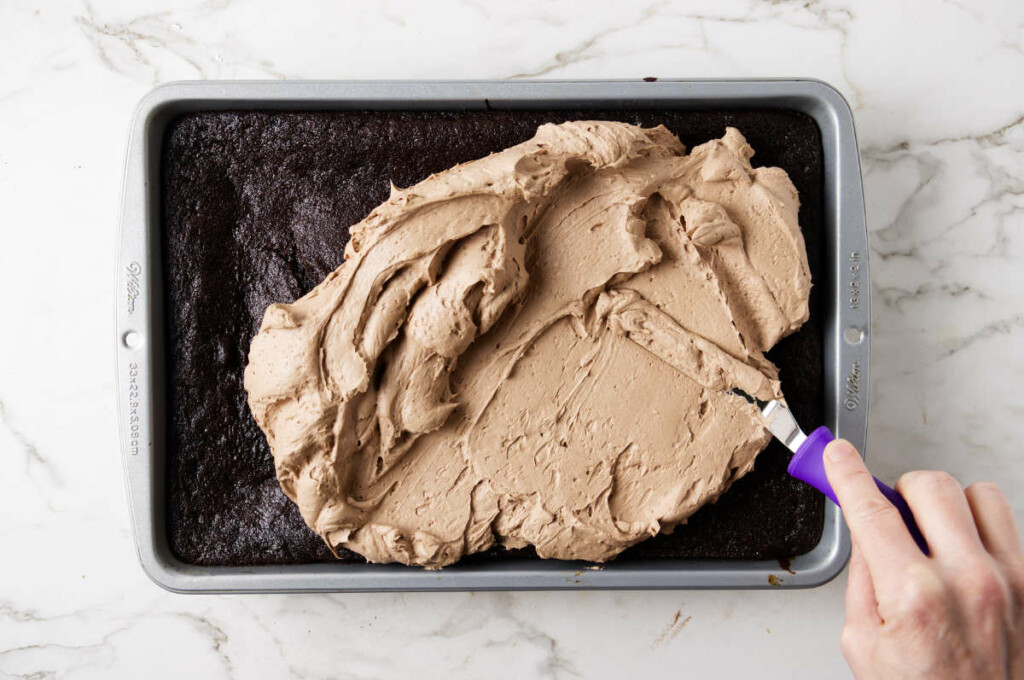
[(807, 464)]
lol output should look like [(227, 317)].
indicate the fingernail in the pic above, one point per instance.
[(839, 450)]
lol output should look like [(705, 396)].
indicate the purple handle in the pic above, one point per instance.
[(807, 466)]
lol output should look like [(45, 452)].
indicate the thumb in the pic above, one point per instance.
[(875, 523)]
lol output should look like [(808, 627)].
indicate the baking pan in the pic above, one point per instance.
[(139, 328)]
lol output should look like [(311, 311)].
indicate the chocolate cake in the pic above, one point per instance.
[(256, 209)]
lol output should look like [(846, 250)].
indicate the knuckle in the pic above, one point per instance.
[(873, 510), (856, 474), (849, 479), (1016, 601), (924, 598), (930, 480), (986, 590), (851, 641), (1015, 577), (984, 489)]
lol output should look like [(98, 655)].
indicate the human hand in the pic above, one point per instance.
[(958, 613)]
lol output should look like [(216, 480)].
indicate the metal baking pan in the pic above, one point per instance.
[(139, 328)]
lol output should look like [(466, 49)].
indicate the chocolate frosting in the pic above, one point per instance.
[(537, 347)]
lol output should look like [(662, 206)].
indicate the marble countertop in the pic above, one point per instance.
[(935, 87)]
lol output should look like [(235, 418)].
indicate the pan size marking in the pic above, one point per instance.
[(134, 423), (133, 285), (853, 267)]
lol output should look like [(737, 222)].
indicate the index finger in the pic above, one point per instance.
[(874, 522)]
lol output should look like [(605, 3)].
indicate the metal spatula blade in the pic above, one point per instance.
[(808, 465)]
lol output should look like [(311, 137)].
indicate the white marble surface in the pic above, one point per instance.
[(936, 88)]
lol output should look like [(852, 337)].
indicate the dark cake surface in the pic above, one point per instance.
[(256, 209)]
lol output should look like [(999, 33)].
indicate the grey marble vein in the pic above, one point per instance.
[(928, 168), (160, 32), (10, 95), (9, 611), (52, 659), (994, 137), (1006, 326), (582, 51), (941, 166), (476, 613), (282, 650), (35, 675), (131, 35), (896, 297), (480, 7), (787, 12), (33, 458), (966, 9), (218, 638)]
